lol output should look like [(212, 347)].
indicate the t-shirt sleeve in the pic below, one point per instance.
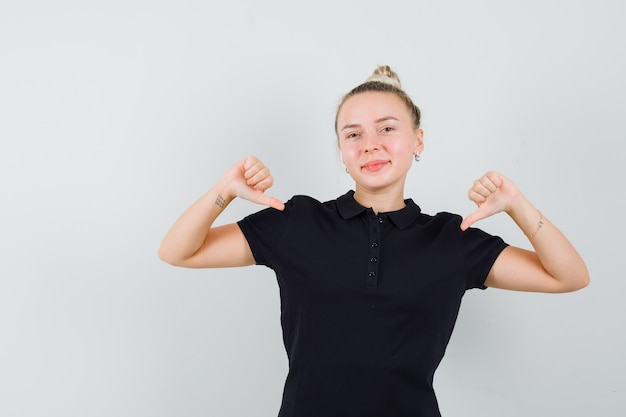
[(479, 250), (263, 230)]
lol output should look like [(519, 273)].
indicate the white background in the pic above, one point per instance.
[(116, 115)]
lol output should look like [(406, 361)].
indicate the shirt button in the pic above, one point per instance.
[(374, 244), (380, 220), (374, 259), (371, 274)]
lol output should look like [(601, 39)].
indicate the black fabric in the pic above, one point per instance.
[(368, 302)]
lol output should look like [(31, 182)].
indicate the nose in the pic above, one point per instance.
[(371, 142)]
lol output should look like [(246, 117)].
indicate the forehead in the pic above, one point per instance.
[(372, 105)]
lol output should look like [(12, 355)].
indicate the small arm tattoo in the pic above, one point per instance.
[(219, 201)]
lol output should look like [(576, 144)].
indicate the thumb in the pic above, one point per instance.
[(267, 200), (472, 218)]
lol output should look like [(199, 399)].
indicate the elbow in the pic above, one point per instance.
[(163, 255), (168, 257), (579, 282), (175, 258), (584, 280)]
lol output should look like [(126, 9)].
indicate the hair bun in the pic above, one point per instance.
[(386, 75)]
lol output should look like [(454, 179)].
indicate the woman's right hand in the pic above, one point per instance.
[(248, 179), (193, 242)]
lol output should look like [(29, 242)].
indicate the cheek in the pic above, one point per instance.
[(404, 146), (347, 154)]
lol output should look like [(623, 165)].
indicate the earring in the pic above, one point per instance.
[(347, 172), (417, 157)]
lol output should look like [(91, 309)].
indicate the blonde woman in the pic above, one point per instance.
[(370, 286)]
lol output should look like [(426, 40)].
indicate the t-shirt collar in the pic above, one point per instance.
[(348, 208)]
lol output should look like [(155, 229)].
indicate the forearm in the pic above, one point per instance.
[(192, 228), (557, 255)]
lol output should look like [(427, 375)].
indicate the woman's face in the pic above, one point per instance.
[(377, 139)]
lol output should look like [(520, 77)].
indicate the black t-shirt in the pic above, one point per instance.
[(368, 301)]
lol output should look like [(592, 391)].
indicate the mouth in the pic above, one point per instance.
[(374, 166)]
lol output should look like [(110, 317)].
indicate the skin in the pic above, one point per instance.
[(378, 140)]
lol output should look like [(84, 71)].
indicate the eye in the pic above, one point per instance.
[(352, 135), (387, 129)]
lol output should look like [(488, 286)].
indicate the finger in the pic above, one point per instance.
[(477, 197), (495, 177), (470, 219), (479, 189), (264, 184), (254, 170), (487, 183), (249, 161), (262, 175), (267, 200)]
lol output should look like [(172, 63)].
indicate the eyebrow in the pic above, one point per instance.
[(382, 119)]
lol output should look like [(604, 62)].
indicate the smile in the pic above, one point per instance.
[(374, 166)]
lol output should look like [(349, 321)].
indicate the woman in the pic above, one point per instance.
[(370, 286)]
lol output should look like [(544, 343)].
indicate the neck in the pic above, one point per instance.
[(380, 202)]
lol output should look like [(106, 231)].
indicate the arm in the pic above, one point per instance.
[(554, 266), (193, 241)]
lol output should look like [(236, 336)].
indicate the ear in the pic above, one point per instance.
[(419, 141)]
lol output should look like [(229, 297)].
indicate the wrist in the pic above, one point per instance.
[(225, 189), (518, 206), (529, 219), (539, 226), (220, 195)]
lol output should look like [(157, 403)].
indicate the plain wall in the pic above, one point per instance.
[(116, 115)]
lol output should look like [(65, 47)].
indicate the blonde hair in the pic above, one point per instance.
[(386, 75), (385, 80)]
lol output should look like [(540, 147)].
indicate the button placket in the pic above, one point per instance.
[(374, 252)]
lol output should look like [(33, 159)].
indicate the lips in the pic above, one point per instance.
[(374, 166)]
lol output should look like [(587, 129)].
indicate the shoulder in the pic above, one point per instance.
[(296, 206), (302, 202), (308, 200), (442, 219), (302, 214), (446, 225)]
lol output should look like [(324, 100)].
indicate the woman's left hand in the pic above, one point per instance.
[(492, 193)]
